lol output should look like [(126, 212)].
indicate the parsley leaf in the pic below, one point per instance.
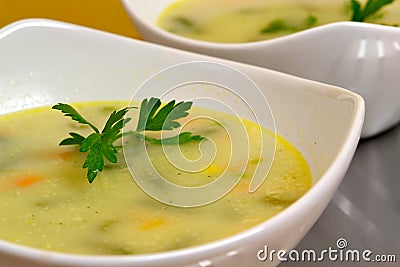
[(164, 119), (95, 159), (71, 112), (152, 117), (177, 139), (370, 8), (76, 139), (98, 145)]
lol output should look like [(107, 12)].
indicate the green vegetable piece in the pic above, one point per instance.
[(279, 25), (371, 8), (183, 21), (275, 26), (311, 21)]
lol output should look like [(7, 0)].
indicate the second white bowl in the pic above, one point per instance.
[(360, 57)]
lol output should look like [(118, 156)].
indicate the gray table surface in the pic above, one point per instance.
[(366, 209)]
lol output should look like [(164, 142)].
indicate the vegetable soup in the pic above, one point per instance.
[(47, 202), (236, 21)]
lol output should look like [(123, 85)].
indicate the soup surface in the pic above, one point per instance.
[(236, 21), (47, 202)]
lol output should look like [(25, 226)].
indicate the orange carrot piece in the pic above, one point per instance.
[(28, 180), (67, 154)]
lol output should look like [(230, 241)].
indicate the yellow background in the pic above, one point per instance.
[(107, 15)]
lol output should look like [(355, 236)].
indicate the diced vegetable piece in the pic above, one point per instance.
[(28, 180)]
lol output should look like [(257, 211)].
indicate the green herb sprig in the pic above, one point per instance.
[(370, 8), (152, 118), (100, 145)]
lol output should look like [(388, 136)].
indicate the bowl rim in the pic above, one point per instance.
[(327, 180)]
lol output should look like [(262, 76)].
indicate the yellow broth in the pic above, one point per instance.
[(237, 21), (47, 202)]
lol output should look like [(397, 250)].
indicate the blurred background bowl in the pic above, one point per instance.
[(361, 57)]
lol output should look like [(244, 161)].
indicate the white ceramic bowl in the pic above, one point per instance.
[(360, 57), (44, 62)]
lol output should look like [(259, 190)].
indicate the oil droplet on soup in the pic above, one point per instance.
[(47, 202), (237, 21)]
